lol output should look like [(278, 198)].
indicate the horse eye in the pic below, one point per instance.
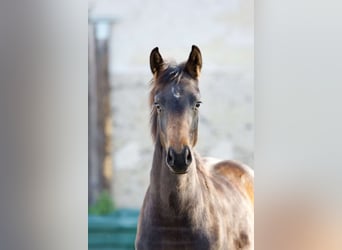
[(198, 104), (157, 105)]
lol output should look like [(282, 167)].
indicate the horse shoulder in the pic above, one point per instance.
[(235, 172)]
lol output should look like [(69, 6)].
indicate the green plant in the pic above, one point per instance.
[(103, 205)]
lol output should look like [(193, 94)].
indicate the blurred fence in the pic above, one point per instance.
[(115, 231)]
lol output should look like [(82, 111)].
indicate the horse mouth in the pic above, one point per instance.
[(178, 171)]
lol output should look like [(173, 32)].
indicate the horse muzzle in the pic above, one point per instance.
[(179, 162)]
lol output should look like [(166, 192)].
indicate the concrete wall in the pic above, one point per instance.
[(223, 30)]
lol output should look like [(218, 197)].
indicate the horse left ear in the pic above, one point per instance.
[(194, 64), (156, 61)]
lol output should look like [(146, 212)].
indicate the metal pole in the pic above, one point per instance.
[(99, 106)]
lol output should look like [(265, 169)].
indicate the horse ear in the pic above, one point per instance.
[(156, 61), (194, 64)]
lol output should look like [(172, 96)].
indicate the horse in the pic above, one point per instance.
[(192, 202)]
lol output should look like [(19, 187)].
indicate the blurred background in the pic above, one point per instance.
[(44, 110), (120, 149), (44, 113), (121, 37)]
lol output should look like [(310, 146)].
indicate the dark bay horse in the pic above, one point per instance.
[(192, 202)]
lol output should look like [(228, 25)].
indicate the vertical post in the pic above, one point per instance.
[(99, 109)]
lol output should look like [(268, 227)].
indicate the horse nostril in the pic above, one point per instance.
[(179, 162), (188, 157), (170, 159)]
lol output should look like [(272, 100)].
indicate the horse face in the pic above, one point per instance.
[(175, 106), (177, 109)]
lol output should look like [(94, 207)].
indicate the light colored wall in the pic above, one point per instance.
[(223, 30)]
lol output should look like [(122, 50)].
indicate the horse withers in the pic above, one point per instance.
[(192, 202)]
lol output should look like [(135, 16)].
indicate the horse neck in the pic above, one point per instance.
[(175, 193)]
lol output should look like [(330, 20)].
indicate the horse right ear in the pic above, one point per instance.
[(156, 61), (194, 64)]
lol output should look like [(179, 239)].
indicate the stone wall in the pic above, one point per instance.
[(223, 30)]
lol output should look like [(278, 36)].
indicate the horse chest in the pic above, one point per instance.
[(173, 237)]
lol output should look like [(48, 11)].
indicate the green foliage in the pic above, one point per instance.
[(104, 205)]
